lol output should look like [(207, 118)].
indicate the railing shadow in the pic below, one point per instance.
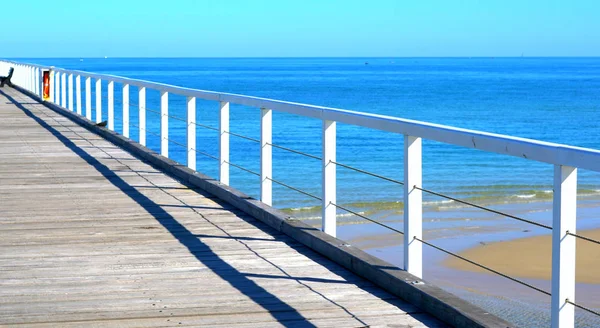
[(280, 310)]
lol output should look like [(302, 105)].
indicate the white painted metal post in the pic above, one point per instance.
[(29, 78), (563, 246), (63, 90), (164, 123), (111, 105), (266, 156), (126, 110), (71, 92), (26, 77), (191, 132), (57, 88), (413, 206), (52, 86), (328, 181), (142, 115), (78, 93), (224, 143), (88, 98), (98, 100), (38, 82)]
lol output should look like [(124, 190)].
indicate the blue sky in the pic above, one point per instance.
[(290, 28)]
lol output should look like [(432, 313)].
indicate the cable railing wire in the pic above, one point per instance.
[(366, 218), (368, 173), (207, 154), (177, 143), (392, 180), (483, 267), (242, 136), (242, 168), (401, 183), (584, 238), (295, 189), (170, 140), (483, 208), (579, 306), (295, 151), (206, 126)]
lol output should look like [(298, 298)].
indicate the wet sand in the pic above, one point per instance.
[(531, 258)]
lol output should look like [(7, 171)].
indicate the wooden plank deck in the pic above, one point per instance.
[(90, 235)]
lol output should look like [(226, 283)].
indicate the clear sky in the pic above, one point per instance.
[(297, 28)]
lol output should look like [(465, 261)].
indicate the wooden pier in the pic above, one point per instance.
[(92, 236)]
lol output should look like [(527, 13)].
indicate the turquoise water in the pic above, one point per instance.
[(550, 99)]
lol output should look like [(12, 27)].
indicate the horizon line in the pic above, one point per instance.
[(288, 57)]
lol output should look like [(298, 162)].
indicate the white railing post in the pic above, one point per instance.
[(26, 77), (88, 98), (125, 110), (111, 105), (413, 206), (266, 156), (563, 246), (224, 142), (34, 88), (142, 114), (63, 90), (164, 123), (29, 78), (78, 93), (38, 86), (191, 132), (98, 100), (57, 88), (70, 92), (52, 86), (34, 80), (328, 181)]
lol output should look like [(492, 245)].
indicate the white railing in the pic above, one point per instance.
[(566, 159)]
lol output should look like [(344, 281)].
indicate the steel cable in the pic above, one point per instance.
[(484, 267), (484, 208), (583, 307), (368, 173), (242, 168), (584, 238), (296, 189), (367, 218)]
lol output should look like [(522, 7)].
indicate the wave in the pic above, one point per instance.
[(383, 208)]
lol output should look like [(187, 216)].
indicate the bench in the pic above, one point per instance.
[(6, 79)]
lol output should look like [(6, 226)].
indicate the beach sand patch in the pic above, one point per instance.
[(532, 258)]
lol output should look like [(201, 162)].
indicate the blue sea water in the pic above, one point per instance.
[(550, 99)]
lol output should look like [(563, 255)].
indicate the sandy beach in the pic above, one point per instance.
[(531, 258)]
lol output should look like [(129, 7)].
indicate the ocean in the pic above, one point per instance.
[(548, 99)]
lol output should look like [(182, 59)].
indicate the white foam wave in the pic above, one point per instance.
[(526, 196), (439, 202)]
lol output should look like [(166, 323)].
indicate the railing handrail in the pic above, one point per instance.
[(531, 149)]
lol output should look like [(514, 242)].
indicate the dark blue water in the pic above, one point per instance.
[(550, 99)]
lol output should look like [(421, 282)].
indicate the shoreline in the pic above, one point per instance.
[(531, 257)]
